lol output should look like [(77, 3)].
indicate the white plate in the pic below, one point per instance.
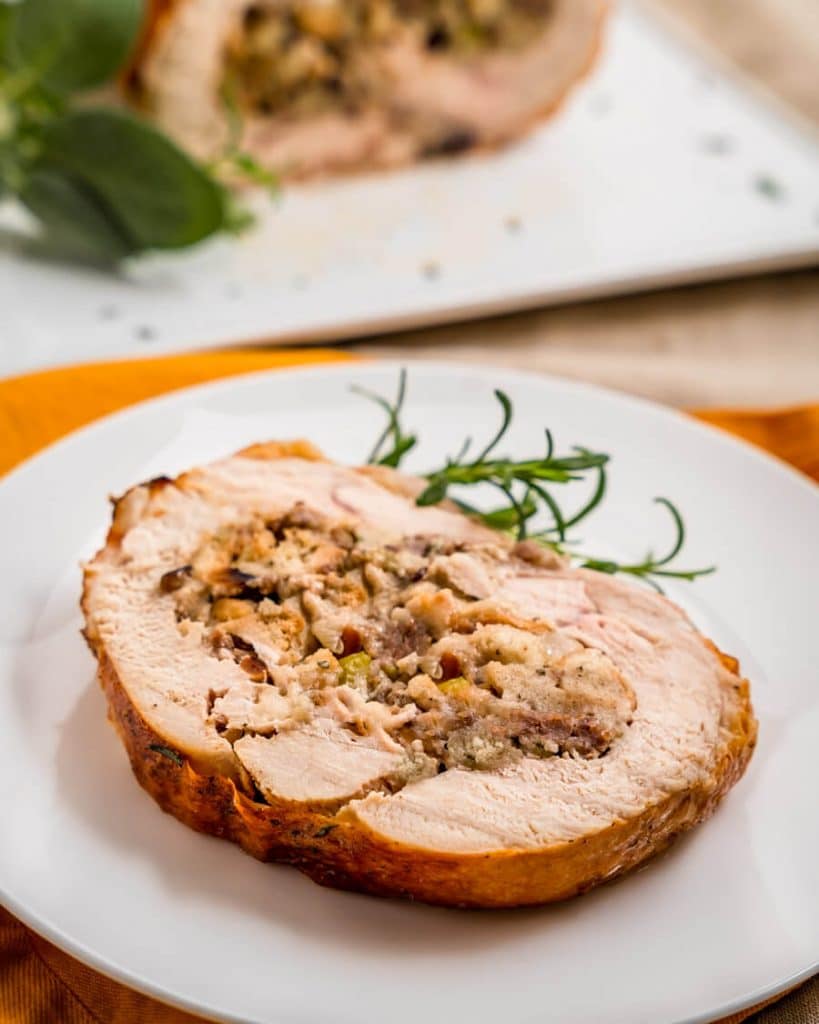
[(87, 859), (654, 173)]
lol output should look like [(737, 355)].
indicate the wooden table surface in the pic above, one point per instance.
[(753, 342)]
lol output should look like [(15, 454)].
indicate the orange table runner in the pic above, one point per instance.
[(39, 984)]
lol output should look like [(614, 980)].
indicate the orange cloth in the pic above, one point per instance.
[(40, 984), (39, 408)]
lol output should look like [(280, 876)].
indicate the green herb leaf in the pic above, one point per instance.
[(505, 518), (503, 473), (237, 218), (6, 12), (652, 568), (171, 755), (433, 493), (75, 222), (529, 477), (73, 44), (159, 196), (254, 173), (401, 443), (234, 161)]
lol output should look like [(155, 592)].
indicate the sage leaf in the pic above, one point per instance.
[(74, 221), (160, 197), (73, 44), (6, 12)]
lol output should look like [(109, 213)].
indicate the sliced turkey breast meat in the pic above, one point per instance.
[(315, 86), (395, 698)]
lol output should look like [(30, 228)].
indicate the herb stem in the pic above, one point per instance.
[(401, 443), (506, 421), (527, 477)]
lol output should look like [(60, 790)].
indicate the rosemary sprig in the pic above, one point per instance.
[(523, 484), (506, 519), (651, 567), (504, 473), (402, 443)]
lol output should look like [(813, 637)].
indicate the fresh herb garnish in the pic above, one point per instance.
[(101, 183), (234, 162), (503, 474), (526, 485), (652, 567), (393, 433), (167, 752)]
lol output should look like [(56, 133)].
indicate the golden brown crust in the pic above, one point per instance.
[(155, 15), (338, 851), (263, 451), (268, 450)]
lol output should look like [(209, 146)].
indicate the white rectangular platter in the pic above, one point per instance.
[(663, 168)]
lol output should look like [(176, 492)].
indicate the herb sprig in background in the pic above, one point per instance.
[(527, 486), (102, 183)]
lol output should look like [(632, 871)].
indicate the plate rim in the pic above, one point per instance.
[(479, 371), (124, 977)]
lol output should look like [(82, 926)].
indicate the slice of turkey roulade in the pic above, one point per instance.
[(396, 699), (331, 85)]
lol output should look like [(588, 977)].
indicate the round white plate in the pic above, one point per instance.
[(727, 917)]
